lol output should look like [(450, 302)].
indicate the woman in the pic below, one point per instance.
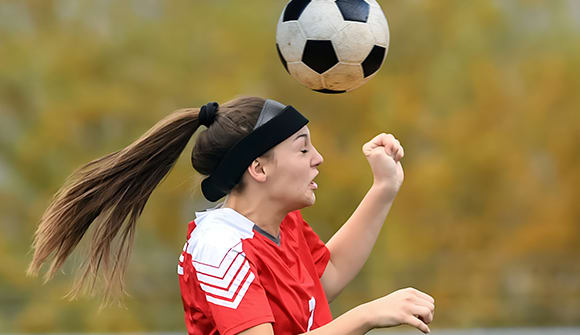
[(252, 265)]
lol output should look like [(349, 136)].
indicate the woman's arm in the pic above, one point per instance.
[(407, 306), (351, 245), (351, 322)]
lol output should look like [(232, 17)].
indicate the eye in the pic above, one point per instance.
[(304, 151)]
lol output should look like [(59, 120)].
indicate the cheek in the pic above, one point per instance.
[(289, 183), (291, 180)]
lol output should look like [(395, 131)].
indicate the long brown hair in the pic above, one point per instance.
[(110, 192)]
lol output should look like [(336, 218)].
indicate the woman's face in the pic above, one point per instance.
[(291, 169)]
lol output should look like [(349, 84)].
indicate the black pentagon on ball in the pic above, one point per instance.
[(282, 58), (327, 91), (293, 9), (354, 10), (319, 55), (373, 61)]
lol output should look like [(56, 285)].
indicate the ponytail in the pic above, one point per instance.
[(109, 193)]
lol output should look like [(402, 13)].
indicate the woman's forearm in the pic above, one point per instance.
[(351, 245), (353, 322)]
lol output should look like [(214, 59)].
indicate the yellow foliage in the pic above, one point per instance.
[(482, 95)]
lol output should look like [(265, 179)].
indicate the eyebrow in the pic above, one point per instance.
[(301, 135)]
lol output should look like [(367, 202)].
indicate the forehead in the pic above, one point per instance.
[(295, 139)]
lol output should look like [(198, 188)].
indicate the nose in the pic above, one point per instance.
[(318, 159)]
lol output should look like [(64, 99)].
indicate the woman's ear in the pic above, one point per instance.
[(257, 170)]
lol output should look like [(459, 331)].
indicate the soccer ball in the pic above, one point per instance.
[(332, 46)]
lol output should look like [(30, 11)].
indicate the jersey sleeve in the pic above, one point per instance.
[(318, 250), (235, 296)]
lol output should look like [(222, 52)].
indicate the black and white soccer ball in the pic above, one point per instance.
[(332, 46)]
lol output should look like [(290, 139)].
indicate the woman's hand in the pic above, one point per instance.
[(384, 153), (406, 306)]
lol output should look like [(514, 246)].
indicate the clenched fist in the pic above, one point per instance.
[(384, 154)]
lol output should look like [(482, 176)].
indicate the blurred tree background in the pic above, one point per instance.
[(483, 95)]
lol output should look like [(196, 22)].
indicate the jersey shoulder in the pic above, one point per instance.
[(218, 233), (217, 257)]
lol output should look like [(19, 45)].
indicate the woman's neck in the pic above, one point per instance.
[(263, 213)]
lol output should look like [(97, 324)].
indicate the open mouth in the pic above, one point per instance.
[(313, 184)]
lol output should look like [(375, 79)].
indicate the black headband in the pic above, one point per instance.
[(275, 124)]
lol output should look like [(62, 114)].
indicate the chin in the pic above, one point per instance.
[(309, 202), (304, 201)]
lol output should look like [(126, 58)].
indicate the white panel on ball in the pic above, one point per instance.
[(379, 27), (342, 77), (291, 40), (353, 43), (373, 3), (360, 83), (305, 75), (320, 20)]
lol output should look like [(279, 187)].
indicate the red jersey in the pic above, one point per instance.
[(235, 276)]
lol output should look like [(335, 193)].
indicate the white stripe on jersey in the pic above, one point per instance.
[(228, 293), (226, 280), (233, 304), (220, 270)]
